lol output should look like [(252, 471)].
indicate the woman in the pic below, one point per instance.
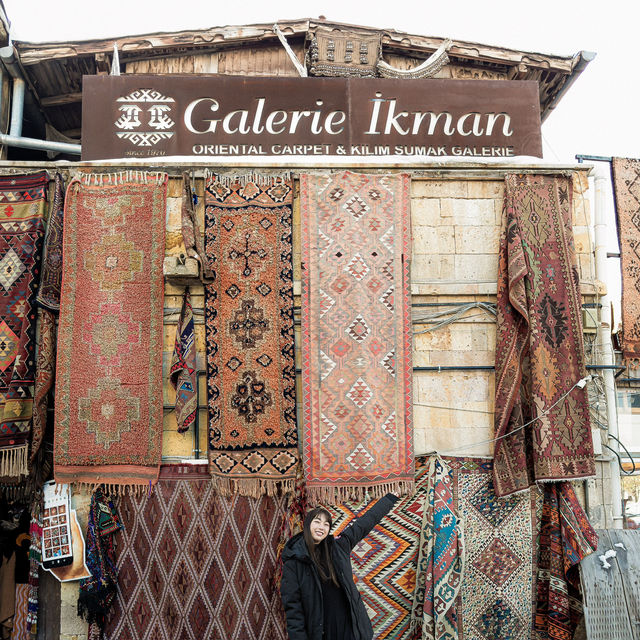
[(320, 599)]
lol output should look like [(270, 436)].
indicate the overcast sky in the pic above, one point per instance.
[(598, 116)]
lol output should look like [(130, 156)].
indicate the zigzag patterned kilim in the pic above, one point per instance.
[(195, 566), (356, 335), (385, 562)]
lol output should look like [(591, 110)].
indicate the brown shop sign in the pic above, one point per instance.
[(145, 116)]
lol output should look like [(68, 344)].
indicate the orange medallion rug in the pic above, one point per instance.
[(109, 364)]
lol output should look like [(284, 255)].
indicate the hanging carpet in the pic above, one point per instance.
[(500, 535), (441, 559), (194, 564), (22, 205), (183, 375), (385, 562), (356, 335), (626, 189), (566, 537), (539, 351), (253, 442), (108, 404)]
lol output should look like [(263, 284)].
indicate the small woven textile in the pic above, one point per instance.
[(249, 334), (19, 630), (343, 53), (108, 427), (626, 189), (440, 559), (497, 596), (35, 558), (566, 537), (97, 593), (385, 563), (194, 564), (539, 351), (45, 373), (22, 204), (356, 335), (183, 374), (51, 276), (191, 233)]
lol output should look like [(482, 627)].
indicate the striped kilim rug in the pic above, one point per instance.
[(193, 565), (385, 562), (253, 441), (498, 594), (108, 427), (356, 335), (22, 205)]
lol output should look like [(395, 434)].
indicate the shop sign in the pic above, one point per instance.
[(145, 116)]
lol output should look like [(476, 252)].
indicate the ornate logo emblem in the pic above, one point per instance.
[(145, 117)]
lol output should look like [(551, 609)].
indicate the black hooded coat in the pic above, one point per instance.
[(301, 589)]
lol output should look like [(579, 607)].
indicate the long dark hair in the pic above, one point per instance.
[(320, 549)]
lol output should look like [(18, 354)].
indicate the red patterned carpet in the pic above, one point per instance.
[(196, 566), (356, 335)]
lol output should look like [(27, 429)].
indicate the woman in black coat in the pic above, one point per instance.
[(320, 599)]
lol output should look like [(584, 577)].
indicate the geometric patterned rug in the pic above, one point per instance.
[(626, 188), (385, 562), (253, 441), (195, 565), (22, 205), (356, 335), (498, 588)]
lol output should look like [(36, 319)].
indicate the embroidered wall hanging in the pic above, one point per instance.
[(108, 405), (539, 351), (385, 562), (334, 52), (497, 596), (22, 204), (193, 564), (356, 335), (626, 189), (249, 334)]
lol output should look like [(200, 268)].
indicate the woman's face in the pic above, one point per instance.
[(319, 528)]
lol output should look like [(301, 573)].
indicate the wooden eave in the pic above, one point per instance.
[(54, 69)]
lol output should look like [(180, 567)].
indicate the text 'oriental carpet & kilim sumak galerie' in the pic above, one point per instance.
[(109, 364), (626, 188), (539, 349), (356, 335), (195, 565), (385, 562), (497, 596), (253, 441), (22, 203)]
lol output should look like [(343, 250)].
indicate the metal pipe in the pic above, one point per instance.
[(17, 108), (606, 347), (42, 145)]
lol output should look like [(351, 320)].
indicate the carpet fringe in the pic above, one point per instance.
[(113, 490), (252, 488), (331, 494), (14, 461), (261, 178), (121, 177)]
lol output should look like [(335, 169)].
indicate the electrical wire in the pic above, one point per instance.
[(581, 383)]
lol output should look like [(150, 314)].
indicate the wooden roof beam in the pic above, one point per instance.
[(62, 99)]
